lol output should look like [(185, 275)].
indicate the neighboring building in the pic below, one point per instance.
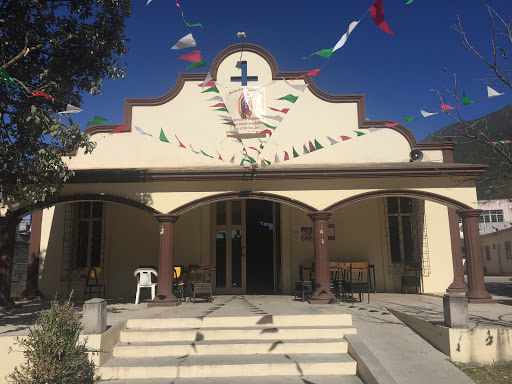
[(496, 215), (497, 252), (329, 185)]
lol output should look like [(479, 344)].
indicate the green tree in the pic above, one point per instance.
[(64, 49)]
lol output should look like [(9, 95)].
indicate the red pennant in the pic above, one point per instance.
[(178, 5), (266, 131), (377, 14), (220, 157), (284, 110), (286, 157), (181, 144), (120, 128), (39, 93), (218, 105), (446, 107), (194, 56), (255, 149), (391, 125), (230, 120), (311, 147), (211, 83), (314, 72), (344, 138)]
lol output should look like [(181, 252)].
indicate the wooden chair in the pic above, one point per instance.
[(92, 286), (201, 282), (357, 280), (304, 287), (411, 276)]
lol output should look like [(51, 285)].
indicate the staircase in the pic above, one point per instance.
[(250, 349)]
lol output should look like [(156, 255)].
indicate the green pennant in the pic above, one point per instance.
[(194, 25), (162, 136), (358, 134), (6, 78), (269, 126), (290, 98), (211, 89), (318, 145), (206, 154), (327, 53), (466, 100), (199, 64), (266, 161), (295, 154), (410, 118), (229, 123), (261, 145), (221, 109), (97, 120)]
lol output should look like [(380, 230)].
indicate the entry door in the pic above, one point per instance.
[(229, 247)]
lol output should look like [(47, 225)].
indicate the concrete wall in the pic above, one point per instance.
[(496, 242)]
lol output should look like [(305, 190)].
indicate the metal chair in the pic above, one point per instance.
[(334, 278), (201, 282), (144, 280), (179, 281), (304, 287), (92, 285), (356, 280)]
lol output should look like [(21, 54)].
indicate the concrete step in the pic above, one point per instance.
[(245, 333), (331, 379), (228, 366), (226, 347), (244, 321)]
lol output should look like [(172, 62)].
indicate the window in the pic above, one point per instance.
[(88, 234), (491, 216), (508, 251), (488, 253), (400, 226)]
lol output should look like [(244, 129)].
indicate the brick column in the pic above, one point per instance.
[(476, 292), (7, 238), (322, 294), (458, 285), (32, 290), (164, 296)]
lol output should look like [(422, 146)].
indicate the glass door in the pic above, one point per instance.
[(229, 247)]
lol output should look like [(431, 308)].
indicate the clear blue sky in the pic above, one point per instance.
[(394, 72)]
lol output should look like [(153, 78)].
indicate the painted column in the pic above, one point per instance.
[(32, 290), (164, 296), (322, 294), (458, 285), (7, 238), (476, 292)]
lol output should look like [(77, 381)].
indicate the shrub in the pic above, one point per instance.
[(53, 352)]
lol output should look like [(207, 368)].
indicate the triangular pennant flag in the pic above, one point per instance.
[(193, 150), (70, 109), (344, 138), (215, 98), (207, 155), (162, 136), (194, 56), (304, 150), (149, 1), (266, 162), (409, 118), (142, 131), (311, 147), (120, 128), (181, 144), (360, 133), (344, 38), (255, 149), (409, 2), (269, 126), (427, 114), (218, 105), (331, 140), (295, 154), (276, 118), (372, 129), (314, 72), (466, 100), (286, 157), (6, 78), (232, 160), (208, 81), (220, 157), (276, 158), (446, 107), (377, 14), (263, 164), (284, 110), (185, 42), (261, 144), (492, 93), (211, 89), (391, 125), (326, 53), (225, 117), (318, 145), (194, 25), (229, 123), (42, 94), (265, 132), (199, 64), (96, 120), (221, 109), (298, 87), (290, 98)]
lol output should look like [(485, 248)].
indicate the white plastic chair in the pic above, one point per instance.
[(143, 276)]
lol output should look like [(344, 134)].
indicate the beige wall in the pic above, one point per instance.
[(496, 243)]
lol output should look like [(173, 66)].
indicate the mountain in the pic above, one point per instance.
[(496, 183)]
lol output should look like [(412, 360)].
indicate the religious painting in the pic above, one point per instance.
[(306, 233), (247, 108)]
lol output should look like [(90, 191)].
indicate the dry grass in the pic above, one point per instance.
[(488, 374)]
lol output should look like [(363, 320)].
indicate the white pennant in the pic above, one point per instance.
[(304, 149), (492, 93), (142, 131), (207, 79), (372, 129), (70, 109), (300, 87), (193, 150), (276, 160), (427, 114), (215, 98), (331, 140), (344, 38), (276, 118), (185, 42), (263, 164), (232, 159), (149, 1)]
